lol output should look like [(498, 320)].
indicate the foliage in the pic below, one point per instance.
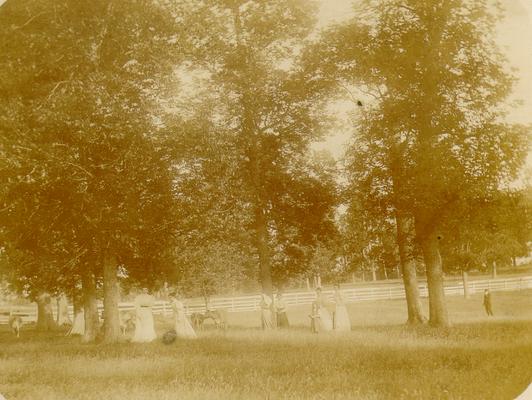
[(86, 172)]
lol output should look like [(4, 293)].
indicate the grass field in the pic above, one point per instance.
[(478, 358)]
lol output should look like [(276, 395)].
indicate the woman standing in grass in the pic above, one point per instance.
[(265, 312), (282, 319), (326, 323), (183, 328), (144, 329), (341, 317)]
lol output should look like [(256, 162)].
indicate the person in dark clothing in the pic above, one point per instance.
[(487, 302), (282, 319)]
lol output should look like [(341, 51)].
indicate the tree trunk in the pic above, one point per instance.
[(111, 296), (385, 272), (431, 255), (494, 269), (264, 252), (45, 316), (353, 279), (90, 307), (465, 283), (407, 260), (373, 272)]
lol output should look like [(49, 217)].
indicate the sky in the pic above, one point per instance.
[(514, 36)]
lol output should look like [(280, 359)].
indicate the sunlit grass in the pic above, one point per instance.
[(380, 359)]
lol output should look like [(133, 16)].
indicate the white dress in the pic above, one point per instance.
[(78, 326), (183, 328), (326, 321), (341, 317), (144, 328)]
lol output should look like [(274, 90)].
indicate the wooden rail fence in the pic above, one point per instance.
[(251, 302)]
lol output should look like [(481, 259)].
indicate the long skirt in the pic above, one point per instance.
[(326, 323), (282, 320), (144, 329), (183, 328), (341, 319), (266, 318), (78, 326)]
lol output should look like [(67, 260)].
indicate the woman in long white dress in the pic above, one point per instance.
[(326, 323), (266, 312), (183, 328), (144, 328), (78, 326), (341, 317)]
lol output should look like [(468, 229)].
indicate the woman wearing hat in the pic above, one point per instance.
[(183, 328), (266, 312), (144, 328)]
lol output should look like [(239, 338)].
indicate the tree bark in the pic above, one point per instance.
[(45, 317), (264, 253), (90, 307), (465, 283), (111, 295), (429, 242), (494, 269), (404, 226)]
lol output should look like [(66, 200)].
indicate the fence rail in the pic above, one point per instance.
[(251, 302)]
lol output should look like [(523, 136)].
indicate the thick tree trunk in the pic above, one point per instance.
[(431, 254), (111, 297), (45, 317), (494, 269), (90, 307), (465, 283), (264, 253), (373, 272), (405, 245)]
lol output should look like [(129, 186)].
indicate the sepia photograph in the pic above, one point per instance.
[(265, 199)]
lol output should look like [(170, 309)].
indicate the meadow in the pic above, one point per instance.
[(477, 358)]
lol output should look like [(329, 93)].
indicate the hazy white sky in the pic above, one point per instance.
[(514, 36)]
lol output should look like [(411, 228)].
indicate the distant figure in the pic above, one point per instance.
[(282, 319), (78, 326), (487, 302), (326, 323), (266, 312), (341, 317), (314, 316), (15, 323), (144, 328), (183, 328)]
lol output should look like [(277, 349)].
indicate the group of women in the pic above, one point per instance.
[(325, 315), (144, 325)]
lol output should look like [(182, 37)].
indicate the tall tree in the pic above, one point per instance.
[(439, 83), (80, 138), (264, 110)]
